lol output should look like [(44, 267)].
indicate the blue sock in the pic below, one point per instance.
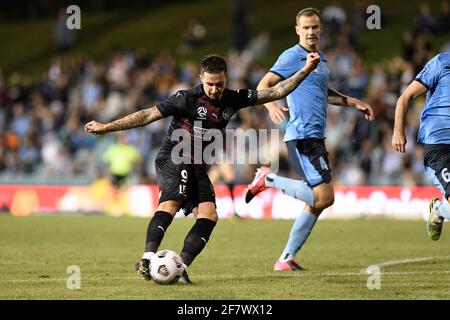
[(297, 189), (299, 233), (444, 209)]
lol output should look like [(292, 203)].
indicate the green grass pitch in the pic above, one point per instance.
[(35, 253)]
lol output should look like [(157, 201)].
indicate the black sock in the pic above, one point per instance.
[(156, 229), (230, 186), (196, 239)]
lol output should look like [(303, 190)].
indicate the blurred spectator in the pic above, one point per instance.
[(443, 24), (91, 91), (194, 35), (259, 45), (56, 160), (425, 21), (408, 45), (21, 120), (28, 155), (63, 38), (352, 175), (240, 24), (121, 158), (364, 158), (408, 176), (359, 15), (334, 16)]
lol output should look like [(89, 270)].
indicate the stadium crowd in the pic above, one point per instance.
[(41, 124)]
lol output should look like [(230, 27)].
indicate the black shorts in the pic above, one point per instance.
[(118, 181), (186, 182), (436, 159), (309, 159)]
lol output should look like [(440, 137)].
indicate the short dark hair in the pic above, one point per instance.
[(308, 12), (213, 64)]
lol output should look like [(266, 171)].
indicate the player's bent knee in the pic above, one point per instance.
[(207, 210), (324, 201), (211, 215), (170, 206)]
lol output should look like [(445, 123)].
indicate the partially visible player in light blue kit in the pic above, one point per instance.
[(304, 134), (434, 132)]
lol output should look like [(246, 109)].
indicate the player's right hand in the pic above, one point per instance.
[(399, 141), (312, 60), (95, 127)]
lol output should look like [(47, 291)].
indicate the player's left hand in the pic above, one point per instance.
[(365, 108), (399, 141)]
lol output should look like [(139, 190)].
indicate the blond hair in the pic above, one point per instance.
[(308, 12)]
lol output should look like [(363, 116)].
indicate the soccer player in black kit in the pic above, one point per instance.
[(186, 185)]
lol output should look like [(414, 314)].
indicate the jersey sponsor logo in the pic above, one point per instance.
[(199, 130), (227, 113), (202, 111)]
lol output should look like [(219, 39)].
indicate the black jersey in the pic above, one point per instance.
[(195, 112)]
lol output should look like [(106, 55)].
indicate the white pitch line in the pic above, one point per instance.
[(308, 274), (244, 277), (406, 261)]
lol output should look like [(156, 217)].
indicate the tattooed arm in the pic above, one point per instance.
[(283, 88), (134, 120)]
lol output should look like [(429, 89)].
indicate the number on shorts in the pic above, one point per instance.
[(184, 176), (445, 175), (184, 180)]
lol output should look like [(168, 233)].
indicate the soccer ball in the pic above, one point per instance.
[(166, 267)]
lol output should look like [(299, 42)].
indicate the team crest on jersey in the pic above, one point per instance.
[(202, 111), (227, 113)]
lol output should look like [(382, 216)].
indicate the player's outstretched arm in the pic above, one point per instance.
[(276, 113), (283, 88), (414, 90), (134, 120), (339, 99)]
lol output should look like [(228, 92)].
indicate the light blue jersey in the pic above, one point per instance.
[(308, 102), (435, 119)]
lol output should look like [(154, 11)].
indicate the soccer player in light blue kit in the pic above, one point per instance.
[(304, 134), (434, 132)]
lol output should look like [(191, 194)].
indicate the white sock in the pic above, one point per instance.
[(285, 257), (147, 255), (297, 189), (444, 210)]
